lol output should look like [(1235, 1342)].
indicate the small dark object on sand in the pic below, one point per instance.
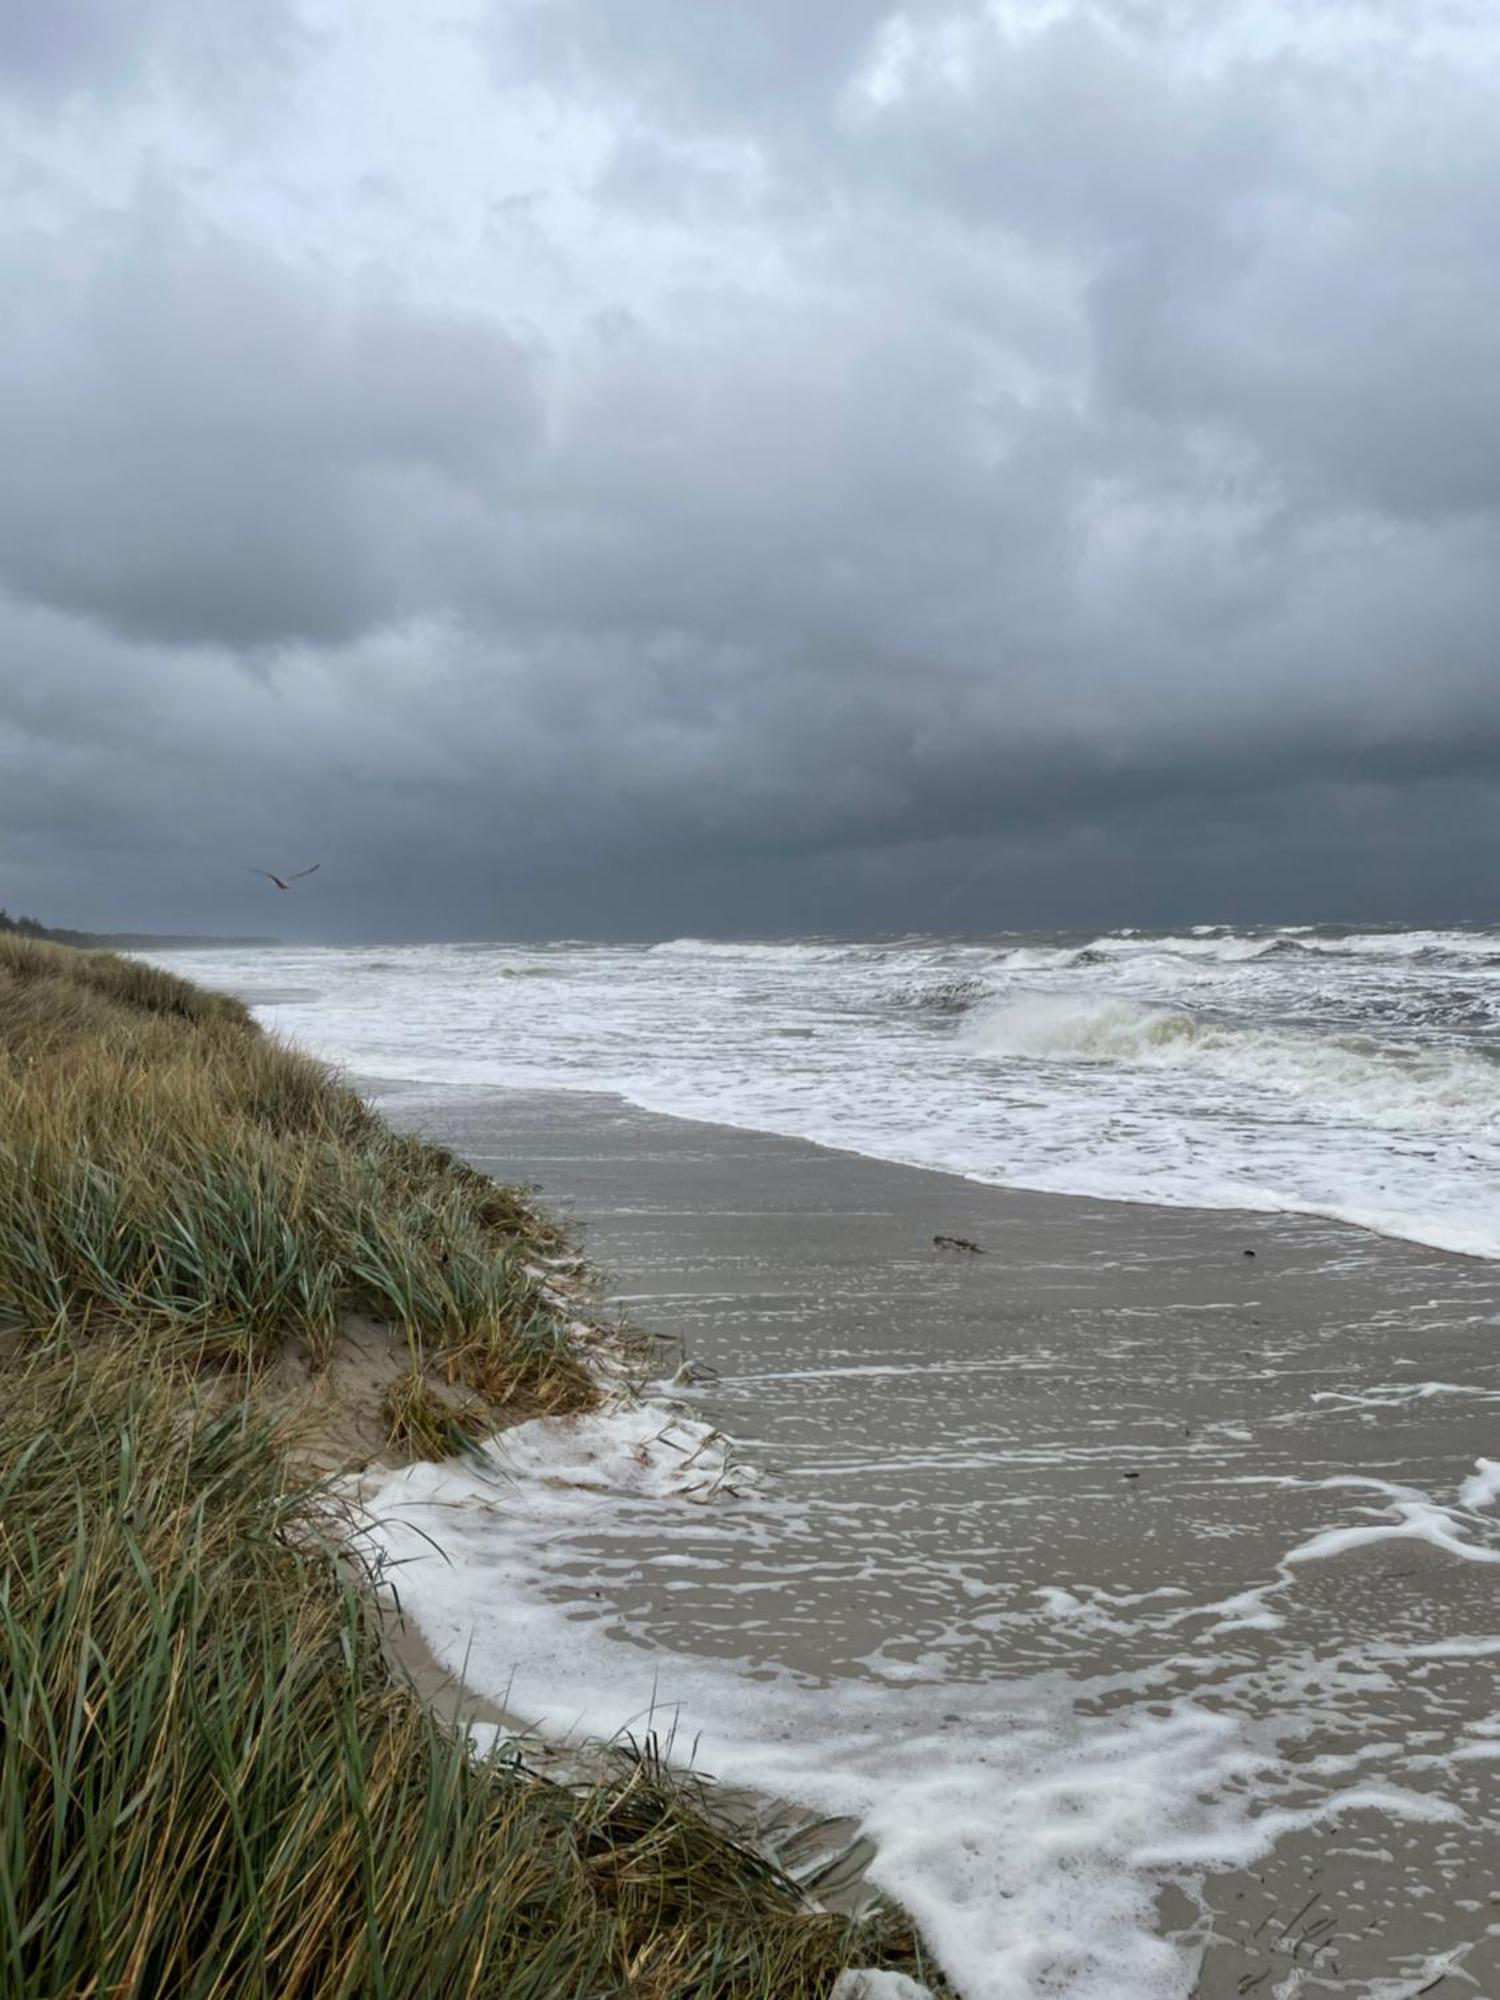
[(1130, 1475), (1247, 1253), (958, 1243)]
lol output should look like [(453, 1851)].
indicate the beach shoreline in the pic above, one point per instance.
[(1105, 1586), (806, 1285)]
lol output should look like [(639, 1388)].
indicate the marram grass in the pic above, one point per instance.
[(165, 1169), (210, 1786), (211, 1783)]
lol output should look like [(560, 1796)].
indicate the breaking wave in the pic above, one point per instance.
[(1348, 1078), (1219, 946), (807, 951)]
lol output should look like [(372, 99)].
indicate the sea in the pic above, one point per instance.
[(1313, 1069)]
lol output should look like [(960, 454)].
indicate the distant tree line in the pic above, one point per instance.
[(116, 940), (29, 927)]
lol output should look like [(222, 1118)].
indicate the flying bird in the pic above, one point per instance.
[(286, 881)]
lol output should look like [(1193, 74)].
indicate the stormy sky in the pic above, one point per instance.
[(748, 466)]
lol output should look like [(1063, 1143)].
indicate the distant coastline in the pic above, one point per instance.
[(120, 940)]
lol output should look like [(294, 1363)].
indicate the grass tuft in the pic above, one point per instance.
[(423, 1423)]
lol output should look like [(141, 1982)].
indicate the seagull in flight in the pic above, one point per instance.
[(286, 881)]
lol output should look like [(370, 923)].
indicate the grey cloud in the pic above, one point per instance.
[(1289, 241), (736, 64), (56, 49), (1063, 475), (199, 442), (1295, 251)]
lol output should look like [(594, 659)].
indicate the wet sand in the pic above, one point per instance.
[(1102, 1455)]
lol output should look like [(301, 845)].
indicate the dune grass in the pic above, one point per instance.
[(167, 1169), (212, 1785)]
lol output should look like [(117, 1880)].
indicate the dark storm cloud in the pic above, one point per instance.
[(976, 464), (208, 446), (1295, 243)]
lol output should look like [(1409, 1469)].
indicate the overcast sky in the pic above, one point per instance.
[(577, 468)]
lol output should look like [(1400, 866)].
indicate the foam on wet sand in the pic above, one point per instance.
[(1097, 1726)]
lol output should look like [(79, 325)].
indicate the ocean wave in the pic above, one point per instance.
[(1043, 957), (692, 947), (1469, 947), (1466, 1009), (1205, 948), (810, 952), (1347, 1078), (1220, 944), (945, 996)]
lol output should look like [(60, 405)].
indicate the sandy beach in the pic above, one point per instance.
[(1181, 1517)]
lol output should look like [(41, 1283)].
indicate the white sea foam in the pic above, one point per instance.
[(865, 1983), (1427, 1975), (650, 1450), (1026, 1825), (1396, 1395), (1402, 1514), (1008, 1827), (1408, 1516)]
